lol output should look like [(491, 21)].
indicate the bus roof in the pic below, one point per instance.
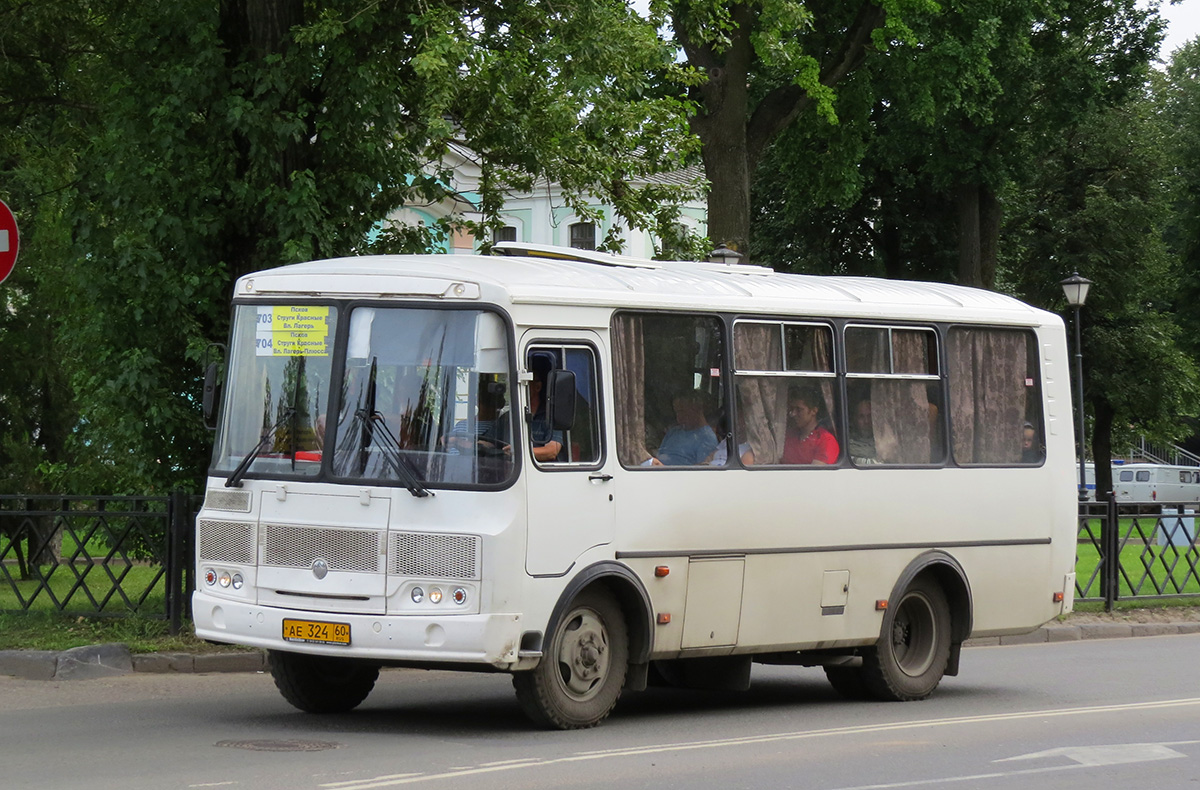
[(558, 276)]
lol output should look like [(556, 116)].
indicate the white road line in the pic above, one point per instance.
[(631, 751)]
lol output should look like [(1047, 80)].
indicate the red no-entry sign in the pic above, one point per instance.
[(9, 242)]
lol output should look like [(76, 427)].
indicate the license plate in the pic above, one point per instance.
[(315, 631)]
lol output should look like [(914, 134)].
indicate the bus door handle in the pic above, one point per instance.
[(599, 477)]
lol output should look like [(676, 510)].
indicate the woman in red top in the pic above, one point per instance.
[(807, 442)]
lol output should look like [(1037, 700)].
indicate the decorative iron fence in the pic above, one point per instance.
[(1137, 550), (97, 556), (116, 556)]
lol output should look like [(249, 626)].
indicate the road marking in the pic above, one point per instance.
[(1081, 757), (632, 751)]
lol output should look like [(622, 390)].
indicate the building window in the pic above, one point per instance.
[(583, 236), (507, 233)]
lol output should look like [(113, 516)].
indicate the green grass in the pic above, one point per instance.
[(138, 580), (1148, 569), (52, 631)]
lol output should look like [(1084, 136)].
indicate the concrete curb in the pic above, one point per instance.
[(98, 661), (1073, 633)]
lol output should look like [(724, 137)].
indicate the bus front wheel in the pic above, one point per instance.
[(580, 676), (320, 684), (908, 661)]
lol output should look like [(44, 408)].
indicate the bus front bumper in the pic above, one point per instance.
[(491, 639)]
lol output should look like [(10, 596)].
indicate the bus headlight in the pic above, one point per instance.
[(225, 579), (417, 595), (459, 596), (238, 581), (435, 595), (210, 577)]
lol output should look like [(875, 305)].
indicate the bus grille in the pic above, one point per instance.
[(218, 499), (344, 549), (434, 556), (226, 541)]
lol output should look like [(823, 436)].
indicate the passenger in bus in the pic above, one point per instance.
[(1031, 448), (861, 444), (720, 456), (808, 441), (547, 443), (691, 440)]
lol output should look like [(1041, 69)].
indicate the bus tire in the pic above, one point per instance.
[(321, 684), (848, 682), (908, 661), (578, 680)]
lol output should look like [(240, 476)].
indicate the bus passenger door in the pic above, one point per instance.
[(570, 494)]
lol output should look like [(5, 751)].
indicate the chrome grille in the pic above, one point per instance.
[(218, 499), (344, 549), (436, 556), (226, 541)]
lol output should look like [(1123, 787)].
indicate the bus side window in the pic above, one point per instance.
[(995, 396), (668, 390), (580, 442)]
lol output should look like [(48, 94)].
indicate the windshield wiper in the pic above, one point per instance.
[(365, 418), (235, 479)]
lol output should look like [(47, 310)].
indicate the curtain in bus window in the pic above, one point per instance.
[(902, 415), (763, 400), (629, 381), (987, 394)]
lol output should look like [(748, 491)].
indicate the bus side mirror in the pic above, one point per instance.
[(560, 402), (212, 395)]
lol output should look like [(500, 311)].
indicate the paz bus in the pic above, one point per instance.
[(596, 473)]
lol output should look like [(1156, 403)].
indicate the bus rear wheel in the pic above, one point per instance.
[(580, 676), (321, 684), (908, 661)]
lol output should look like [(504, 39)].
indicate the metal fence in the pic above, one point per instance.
[(97, 556), (1140, 550), (116, 556)]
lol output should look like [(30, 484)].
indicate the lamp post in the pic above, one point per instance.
[(1076, 290)]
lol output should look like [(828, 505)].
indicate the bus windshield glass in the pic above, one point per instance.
[(279, 382), (424, 398)]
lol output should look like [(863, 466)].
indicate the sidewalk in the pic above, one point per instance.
[(97, 661)]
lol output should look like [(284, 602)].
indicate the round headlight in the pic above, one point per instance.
[(238, 581), (459, 595), (418, 595), (435, 595), (210, 577), (224, 580)]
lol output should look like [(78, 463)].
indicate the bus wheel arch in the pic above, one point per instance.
[(928, 618), (596, 643)]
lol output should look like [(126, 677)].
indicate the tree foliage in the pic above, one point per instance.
[(157, 151)]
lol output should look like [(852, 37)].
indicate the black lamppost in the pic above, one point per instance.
[(1076, 290)]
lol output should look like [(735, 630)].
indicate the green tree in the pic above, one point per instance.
[(164, 149)]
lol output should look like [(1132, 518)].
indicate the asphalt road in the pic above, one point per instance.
[(1096, 713)]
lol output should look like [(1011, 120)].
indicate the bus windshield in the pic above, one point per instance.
[(424, 398), (279, 379), (421, 396)]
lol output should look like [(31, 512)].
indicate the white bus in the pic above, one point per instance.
[(596, 472)]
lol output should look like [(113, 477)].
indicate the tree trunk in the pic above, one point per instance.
[(1102, 422), (970, 271), (729, 191), (991, 215)]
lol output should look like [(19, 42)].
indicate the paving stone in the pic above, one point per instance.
[(93, 661), (164, 662), (1032, 638), (29, 664), (1154, 629), (252, 661), (1105, 630)]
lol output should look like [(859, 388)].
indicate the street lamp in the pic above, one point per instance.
[(1076, 290)]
